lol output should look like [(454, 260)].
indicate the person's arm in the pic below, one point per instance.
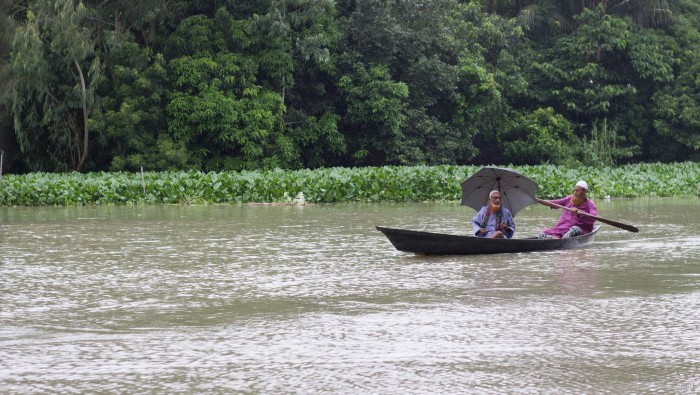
[(510, 223), (476, 222), (590, 208), (560, 201)]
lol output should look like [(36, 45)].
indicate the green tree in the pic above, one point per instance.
[(217, 109), (294, 45), (8, 142), (132, 117), (493, 86), (561, 13), (56, 67), (376, 112), (141, 20), (609, 67), (453, 60), (587, 75), (677, 119), (540, 137), (225, 84), (295, 31)]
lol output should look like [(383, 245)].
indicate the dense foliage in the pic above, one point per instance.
[(222, 85), (332, 185)]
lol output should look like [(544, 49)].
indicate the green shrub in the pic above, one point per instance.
[(332, 185)]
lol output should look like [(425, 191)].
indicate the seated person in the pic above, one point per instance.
[(493, 220), (570, 222)]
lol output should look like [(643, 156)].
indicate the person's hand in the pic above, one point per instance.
[(482, 231), (504, 226)]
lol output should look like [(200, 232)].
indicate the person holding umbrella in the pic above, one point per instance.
[(493, 220)]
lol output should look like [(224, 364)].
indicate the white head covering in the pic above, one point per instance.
[(494, 191), (582, 184)]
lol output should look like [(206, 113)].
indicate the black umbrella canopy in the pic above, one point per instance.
[(517, 191)]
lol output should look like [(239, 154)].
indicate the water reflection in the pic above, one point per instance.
[(313, 299), (576, 273)]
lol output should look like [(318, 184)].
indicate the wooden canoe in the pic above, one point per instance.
[(429, 243)]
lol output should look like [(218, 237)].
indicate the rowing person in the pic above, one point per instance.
[(493, 220), (571, 223)]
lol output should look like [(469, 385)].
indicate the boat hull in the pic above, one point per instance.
[(446, 244)]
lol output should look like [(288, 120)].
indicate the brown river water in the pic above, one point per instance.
[(313, 299)]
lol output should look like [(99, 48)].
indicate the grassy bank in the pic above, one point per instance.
[(377, 184)]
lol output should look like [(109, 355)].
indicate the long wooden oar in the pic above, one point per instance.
[(597, 218)]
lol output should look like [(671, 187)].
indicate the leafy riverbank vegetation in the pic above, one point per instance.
[(221, 85), (332, 185)]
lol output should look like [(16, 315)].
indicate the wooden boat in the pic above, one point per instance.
[(446, 244)]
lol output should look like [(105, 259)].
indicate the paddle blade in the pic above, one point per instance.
[(617, 224)]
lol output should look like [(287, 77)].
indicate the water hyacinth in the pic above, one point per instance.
[(332, 185)]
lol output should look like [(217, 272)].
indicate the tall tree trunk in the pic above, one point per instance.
[(83, 92)]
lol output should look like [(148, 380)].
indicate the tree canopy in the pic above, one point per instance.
[(260, 84)]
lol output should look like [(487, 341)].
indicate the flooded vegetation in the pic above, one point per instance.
[(333, 185)]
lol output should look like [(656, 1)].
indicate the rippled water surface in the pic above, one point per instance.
[(222, 299)]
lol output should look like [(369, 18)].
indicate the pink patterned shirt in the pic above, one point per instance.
[(569, 219)]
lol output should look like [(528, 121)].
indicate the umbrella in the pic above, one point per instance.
[(517, 191)]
